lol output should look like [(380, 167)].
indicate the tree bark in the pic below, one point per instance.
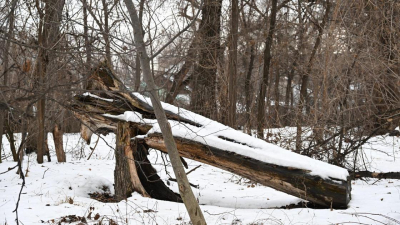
[(46, 63), (247, 89), (277, 95), (58, 143), (6, 50), (232, 70), (267, 61), (125, 174), (203, 98), (191, 204), (88, 45)]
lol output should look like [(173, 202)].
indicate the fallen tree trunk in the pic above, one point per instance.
[(297, 182), (369, 174), (204, 140)]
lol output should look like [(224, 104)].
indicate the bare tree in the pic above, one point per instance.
[(192, 206), (266, 69)]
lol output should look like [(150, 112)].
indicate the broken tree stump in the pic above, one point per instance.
[(133, 171), (107, 104)]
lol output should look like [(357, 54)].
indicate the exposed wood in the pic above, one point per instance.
[(86, 133), (58, 143), (203, 98), (232, 69), (126, 177)]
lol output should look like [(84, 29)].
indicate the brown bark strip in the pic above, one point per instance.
[(369, 174)]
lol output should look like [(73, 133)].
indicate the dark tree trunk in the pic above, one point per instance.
[(88, 45), (232, 70), (46, 63), (247, 89), (277, 95), (2, 115), (203, 99), (267, 62)]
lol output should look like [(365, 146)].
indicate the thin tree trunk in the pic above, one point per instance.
[(267, 62), (106, 33), (192, 206), (6, 57), (46, 64), (232, 70), (247, 89), (137, 58), (41, 103), (88, 45), (277, 95), (288, 93)]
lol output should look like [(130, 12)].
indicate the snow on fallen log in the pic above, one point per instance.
[(210, 142)]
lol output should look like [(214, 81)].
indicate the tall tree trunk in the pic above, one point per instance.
[(6, 75), (88, 45), (192, 206), (46, 64), (106, 33), (232, 71), (267, 62), (247, 89), (137, 58), (277, 95), (288, 93), (203, 99), (305, 77)]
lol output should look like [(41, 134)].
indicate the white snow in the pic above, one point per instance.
[(95, 96), (225, 198)]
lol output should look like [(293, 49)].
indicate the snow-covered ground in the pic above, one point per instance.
[(55, 190)]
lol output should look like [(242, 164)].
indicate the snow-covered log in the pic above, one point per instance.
[(108, 103)]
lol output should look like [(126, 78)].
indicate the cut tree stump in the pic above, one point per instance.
[(109, 107)]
